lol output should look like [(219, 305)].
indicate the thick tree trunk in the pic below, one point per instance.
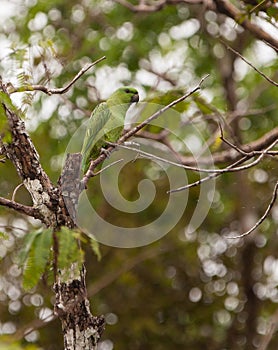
[(55, 207)]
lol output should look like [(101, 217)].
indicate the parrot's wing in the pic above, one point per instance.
[(98, 119)]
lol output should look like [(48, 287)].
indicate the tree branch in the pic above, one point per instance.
[(227, 8), (250, 64), (228, 169), (133, 131), (263, 217), (20, 208), (52, 91), (231, 155), (158, 5)]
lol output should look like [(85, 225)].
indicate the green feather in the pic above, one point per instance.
[(106, 123)]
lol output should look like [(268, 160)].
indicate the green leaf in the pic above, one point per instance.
[(38, 258), (27, 245), (69, 250)]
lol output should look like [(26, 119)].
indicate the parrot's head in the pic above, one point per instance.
[(125, 94)]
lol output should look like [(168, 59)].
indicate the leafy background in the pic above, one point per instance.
[(189, 291)]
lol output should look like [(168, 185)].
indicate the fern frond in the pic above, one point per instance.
[(69, 250), (37, 258)]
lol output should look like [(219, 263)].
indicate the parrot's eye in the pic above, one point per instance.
[(127, 91)]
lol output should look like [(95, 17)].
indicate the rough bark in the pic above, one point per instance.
[(81, 330), (55, 207)]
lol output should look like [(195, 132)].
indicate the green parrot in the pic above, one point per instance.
[(106, 123)]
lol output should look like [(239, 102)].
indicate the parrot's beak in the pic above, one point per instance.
[(135, 98)]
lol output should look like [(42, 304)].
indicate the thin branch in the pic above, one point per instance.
[(209, 177), (229, 169), (107, 166), (257, 146), (51, 91), (263, 217), (157, 6), (21, 208), (252, 149), (197, 169), (230, 144), (258, 6), (133, 131), (250, 64), (10, 227), (15, 190)]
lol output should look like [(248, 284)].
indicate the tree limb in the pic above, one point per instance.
[(250, 64), (52, 91), (20, 208), (263, 217), (227, 8), (231, 155)]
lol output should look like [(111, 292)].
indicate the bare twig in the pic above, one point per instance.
[(167, 161), (258, 6), (157, 5), (10, 227), (227, 169), (20, 208), (252, 149), (250, 64), (209, 177), (107, 166), (51, 91), (262, 218), (214, 172), (15, 190), (230, 144)]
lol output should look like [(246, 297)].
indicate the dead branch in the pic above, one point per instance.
[(52, 91), (227, 169), (263, 217), (20, 208), (250, 64)]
